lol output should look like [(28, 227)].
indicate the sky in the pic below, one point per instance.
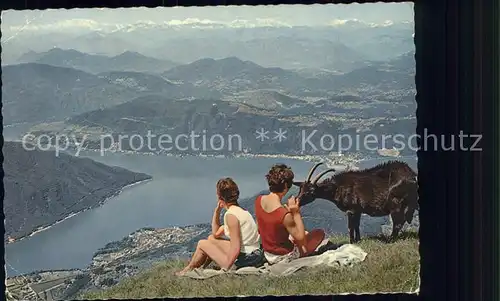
[(278, 15)]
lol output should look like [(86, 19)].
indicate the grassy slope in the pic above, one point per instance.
[(388, 268)]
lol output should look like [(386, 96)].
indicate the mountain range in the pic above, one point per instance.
[(233, 75), (244, 96), (289, 52), (126, 61), (340, 46), (35, 92), (157, 115)]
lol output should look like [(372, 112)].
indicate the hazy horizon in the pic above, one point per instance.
[(280, 15)]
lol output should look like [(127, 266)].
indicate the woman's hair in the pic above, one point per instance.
[(228, 191), (279, 178)]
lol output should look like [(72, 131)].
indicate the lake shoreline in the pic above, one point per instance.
[(349, 160), (73, 214)]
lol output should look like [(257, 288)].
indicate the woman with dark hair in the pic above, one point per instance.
[(241, 245), (281, 227)]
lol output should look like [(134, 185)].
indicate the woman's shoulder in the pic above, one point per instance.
[(281, 210), (236, 210), (239, 213), (275, 210)]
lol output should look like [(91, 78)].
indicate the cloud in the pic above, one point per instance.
[(190, 21), (93, 25), (358, 23), (387, 23), (238, 23), (62, 25), (259, 22), (89, 24)]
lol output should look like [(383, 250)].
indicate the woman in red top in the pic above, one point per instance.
[(281, 227)]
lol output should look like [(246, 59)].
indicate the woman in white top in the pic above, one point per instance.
[(241, 245)]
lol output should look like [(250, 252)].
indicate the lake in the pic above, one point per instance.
[(182, 192)]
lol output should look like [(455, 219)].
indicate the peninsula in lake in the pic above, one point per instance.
[(42, 188)]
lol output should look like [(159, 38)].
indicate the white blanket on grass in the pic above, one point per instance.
[(346, 255)]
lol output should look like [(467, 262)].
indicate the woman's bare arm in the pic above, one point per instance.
[(295, 227), (219, 232), (216, 226), (235, 241)]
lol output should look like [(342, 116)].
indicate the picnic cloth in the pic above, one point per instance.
[(346, 255)]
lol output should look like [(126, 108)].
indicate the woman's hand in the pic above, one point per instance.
[(220, 205), (216, 226), (293, 205)]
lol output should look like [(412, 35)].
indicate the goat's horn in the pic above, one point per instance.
[(312, 171), (322, 174)]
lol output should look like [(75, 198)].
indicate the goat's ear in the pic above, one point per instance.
[(297, 183)]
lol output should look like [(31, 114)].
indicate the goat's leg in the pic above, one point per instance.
[(357, 221), (398, 220), (411, 202), (409, 212), (351, 225)]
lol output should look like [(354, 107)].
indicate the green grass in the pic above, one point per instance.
[(388, 267)]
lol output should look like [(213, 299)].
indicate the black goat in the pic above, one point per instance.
[(387, 189)]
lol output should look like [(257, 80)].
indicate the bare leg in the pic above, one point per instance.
[(198, 259), (198, 254), (290, 237), (209, 260), (215, 249), (313, 240), (206, 263)]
